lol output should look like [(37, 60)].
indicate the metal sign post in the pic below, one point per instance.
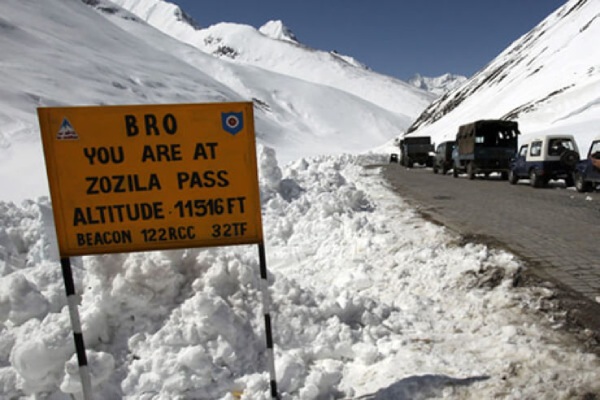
[(266, 311), (84, 373)]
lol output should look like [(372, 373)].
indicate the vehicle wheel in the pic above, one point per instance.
[(535, 179), (455, 172), (444, 170), (512, 177), (580, 184), (569, 158), (569, 181), (435, 169), (410, 163), (471, 170)]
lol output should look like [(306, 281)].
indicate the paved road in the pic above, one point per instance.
[(555, 230)]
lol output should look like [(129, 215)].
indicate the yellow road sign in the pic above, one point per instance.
[(151, 177)]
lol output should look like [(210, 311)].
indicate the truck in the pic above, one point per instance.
[(484, 147), (416, 149)]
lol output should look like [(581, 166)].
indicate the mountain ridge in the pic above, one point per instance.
[(548, 80)]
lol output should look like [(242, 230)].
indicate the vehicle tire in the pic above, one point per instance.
[(535, 179), (435, 169), (471, 170), (512, 177), (455, 172), (580, 184), (444, 170), (569, 158), (410, 163), (569, 181)]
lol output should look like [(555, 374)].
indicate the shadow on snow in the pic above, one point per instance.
[(420, 387)]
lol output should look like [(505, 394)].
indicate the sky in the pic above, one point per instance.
[(396, 38), (367, 298)]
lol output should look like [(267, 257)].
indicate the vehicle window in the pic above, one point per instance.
[(595, 148), (536, 149), (523, 150), (557, 146), (479, 139)]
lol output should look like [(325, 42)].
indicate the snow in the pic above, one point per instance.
[(368, 299)]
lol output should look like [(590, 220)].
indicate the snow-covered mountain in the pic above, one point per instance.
[(275, 48), (439, 84), (106, 55), (547, 80)]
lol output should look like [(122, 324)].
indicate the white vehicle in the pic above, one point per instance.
[(545, 158)]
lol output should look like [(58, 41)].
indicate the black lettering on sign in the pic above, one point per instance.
[(204, 207), (104, 238), (205, 179), (162, 152), (104, 155), (168, 234), (206, 151), (229, 230), (168, 123), (121, 184), (118, 213), (131, 127)]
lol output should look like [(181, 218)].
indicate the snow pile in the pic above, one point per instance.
[(368, 299)]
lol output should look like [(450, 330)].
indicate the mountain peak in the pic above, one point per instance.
[(438, 85), (277, 30)]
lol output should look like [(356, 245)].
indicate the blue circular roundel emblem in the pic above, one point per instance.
[(232, 122)]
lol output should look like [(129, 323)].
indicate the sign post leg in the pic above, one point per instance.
[(84, 373), (266, 308)]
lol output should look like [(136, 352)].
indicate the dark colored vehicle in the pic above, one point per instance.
[(416, 149), (587, 171), (545, 158), (442, 160), (485, 146)]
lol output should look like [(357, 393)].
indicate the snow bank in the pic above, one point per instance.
[(368, 299)]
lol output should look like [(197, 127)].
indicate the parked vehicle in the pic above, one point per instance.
[(587, 171), (545, 158), (485, 146), (442, 160), (415, 149)]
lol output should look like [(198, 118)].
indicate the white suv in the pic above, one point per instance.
[(544, 158)]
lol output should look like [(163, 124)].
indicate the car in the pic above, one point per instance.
[(544, 158), (442, 158), (415, 149), (485, 146), (586, 175)]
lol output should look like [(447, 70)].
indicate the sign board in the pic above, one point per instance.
[(151, 177)]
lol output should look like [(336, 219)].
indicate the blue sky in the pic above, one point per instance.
[(394, 37)]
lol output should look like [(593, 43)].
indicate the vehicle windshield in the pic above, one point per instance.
[(495, 136)]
